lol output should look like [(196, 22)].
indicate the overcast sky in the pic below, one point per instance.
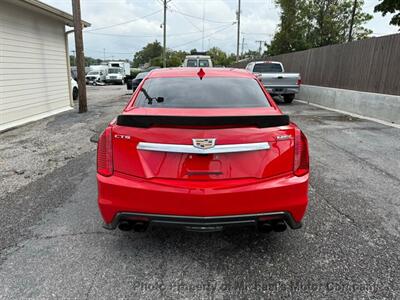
[(259, 20)]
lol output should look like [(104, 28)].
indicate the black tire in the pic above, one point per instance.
[(129, 84), (75, 93), (288, 98)]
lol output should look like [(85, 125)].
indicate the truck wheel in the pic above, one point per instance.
[(288, 98), (75, 93)]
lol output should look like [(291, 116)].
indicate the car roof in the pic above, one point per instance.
[(192, 72), (267, 62), (198, 56)]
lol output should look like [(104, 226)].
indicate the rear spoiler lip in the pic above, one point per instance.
[(146, 121)]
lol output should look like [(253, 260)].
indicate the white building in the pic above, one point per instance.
[(34, 62)]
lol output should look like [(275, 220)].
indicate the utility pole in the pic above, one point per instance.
[(353, 13), (238, 31), (104, 54), (80, 57), (165, 35), (260, 47)]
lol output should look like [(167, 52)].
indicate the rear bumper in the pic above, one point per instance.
[(282, 90), (201, 201), (203, 224)]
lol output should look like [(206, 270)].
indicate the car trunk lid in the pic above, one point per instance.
[(145, 151)]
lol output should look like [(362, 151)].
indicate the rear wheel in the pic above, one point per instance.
[(288, 98)]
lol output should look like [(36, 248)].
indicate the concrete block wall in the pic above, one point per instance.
[(380, 106)]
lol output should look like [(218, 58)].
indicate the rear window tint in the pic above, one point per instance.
[(192, 63), (210, 92), (267, 68), (203, 63), (141, 75)]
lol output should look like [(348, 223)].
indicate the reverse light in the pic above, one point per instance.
[(104, 153), (298, 81), (301, 160)]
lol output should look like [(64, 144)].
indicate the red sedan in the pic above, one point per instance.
[(202, 149)]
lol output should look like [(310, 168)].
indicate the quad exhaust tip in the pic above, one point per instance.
[(138, 226), (273, 225)]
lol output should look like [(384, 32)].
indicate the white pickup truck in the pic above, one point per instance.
[(275, 80)]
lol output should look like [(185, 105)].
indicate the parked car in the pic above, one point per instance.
[(275, 80), (197, 61), (203, 149), (138, 79), (134, 83), (95, 77), (74, 89)]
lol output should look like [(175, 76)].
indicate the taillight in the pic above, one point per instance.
[(298, 81), (301, 160), (104, 153)]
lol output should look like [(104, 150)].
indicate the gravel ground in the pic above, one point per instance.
[(32, 151), (53, 245)]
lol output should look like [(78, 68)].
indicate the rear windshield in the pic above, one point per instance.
[(141, 75), (192, 63), (203, 63), (267, 68), (210, 92)]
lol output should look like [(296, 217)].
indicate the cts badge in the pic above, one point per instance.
[(204, 143), (122, 137)]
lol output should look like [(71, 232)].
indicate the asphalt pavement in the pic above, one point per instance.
[(52, 244)]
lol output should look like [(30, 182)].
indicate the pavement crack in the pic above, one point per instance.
[(346, 216), (46, 237)]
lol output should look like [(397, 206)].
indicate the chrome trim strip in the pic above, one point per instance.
[(177, 148)]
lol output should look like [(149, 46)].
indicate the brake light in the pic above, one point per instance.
[(298, 81), (104, 153), (301, 160)]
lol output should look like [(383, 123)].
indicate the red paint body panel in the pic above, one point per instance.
[(150, 164), (122, 193), (241, 183)]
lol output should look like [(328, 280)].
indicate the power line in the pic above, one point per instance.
[(151, 35), (199, 18), (126, 22), (194, 25), (193, 41)]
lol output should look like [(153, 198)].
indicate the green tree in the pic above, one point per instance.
[(333, 22), (220, 58), (217, 56), (390, 6), (295, 27), (306, 24), (88, 61), (148, 54)]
